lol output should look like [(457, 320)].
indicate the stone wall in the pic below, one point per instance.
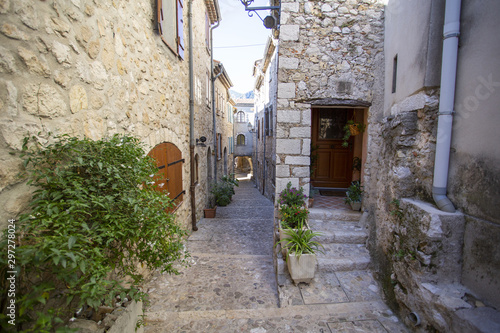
[(433, 264), (327, 50), (93, 69)]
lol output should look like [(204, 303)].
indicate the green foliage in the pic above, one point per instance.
[(290, 196), (354, 192), (94, 217), (348, 131), (293, 216), (396, 211), (301, 241), (223, 190)]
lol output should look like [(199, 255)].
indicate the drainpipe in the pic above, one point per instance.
[(451, 32), (213, 78), (264, 152), (192, 190)]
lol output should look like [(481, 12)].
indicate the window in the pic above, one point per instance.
[(207, 32), (269, 120), (394, 73), (219, 146), (169, 176), (240, 140), (207, 92), (240, 117), (170, 25)]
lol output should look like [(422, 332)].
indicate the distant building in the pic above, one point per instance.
[(266, 88), (244, 120)]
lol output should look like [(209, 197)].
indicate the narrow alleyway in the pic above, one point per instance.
[(231, 285)]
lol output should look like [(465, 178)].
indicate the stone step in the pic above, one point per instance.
[(333, 214), (363, 316), (342, 237)]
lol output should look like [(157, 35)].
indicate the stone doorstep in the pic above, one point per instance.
[(332, 265), (334, 214)]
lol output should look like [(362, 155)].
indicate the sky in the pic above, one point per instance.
[(231, 39)]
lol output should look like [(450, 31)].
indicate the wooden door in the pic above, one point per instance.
[(332, 165), (168, 179)]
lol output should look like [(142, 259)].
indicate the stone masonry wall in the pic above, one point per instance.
[(88, 68), (327, 49)]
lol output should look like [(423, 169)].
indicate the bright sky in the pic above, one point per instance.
[(231, 39)]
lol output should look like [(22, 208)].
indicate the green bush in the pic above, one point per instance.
[(94, 217)]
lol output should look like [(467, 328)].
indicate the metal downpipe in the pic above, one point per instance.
[(192, 190), (451, 32)]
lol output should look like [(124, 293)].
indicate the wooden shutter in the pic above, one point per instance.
[(169, 176), (180, 29)]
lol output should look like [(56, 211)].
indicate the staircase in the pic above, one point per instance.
[(343, 276)]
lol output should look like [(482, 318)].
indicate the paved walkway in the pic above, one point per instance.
[(231, 285)]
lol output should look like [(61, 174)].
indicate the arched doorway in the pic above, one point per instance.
[(225, 161)]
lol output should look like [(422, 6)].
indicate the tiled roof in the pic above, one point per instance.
[(213, 10)]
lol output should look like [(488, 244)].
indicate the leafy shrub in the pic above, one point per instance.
[(223, 190), (293, 216), (291, 196), (94, 217), (354, 192)]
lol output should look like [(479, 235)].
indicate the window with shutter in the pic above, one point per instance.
[(169, 176), (240, 140), (171, 25)]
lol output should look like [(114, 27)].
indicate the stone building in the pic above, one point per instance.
[(379, 63), (244, 123), (224, 119), (96, 68), (264, 156)]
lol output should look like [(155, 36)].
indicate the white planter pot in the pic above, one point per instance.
[(356, 206), (303, 268)]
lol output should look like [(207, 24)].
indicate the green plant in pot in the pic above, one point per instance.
[(292, 217), (354, 195), (292, 196), (211, 210), (352, 128), (301, 253), (222, 192)]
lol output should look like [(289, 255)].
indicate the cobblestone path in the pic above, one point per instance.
[(231, 285)]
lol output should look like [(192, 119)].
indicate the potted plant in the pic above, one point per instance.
[(209, 212), (292, 196), (292, 217), (222, 192), (301, 253), (352, 128), (354, 195)]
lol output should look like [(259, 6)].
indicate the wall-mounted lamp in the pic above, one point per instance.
[(250, 127), (270, 21), (201, 141)]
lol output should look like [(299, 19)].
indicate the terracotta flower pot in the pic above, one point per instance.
[(210, 212)]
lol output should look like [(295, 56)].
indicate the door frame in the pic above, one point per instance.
[(357, 143)]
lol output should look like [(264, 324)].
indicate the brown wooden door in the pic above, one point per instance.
[(332, 166), (169, 176)]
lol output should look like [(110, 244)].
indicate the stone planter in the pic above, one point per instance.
[(210, 212), (303, 268)]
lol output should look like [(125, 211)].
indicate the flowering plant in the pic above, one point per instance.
[(292, 216), (290, 196)]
